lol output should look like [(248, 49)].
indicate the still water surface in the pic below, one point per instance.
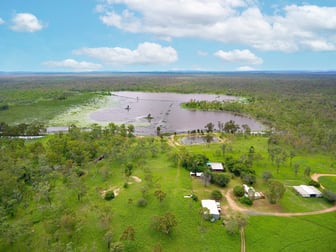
[(164, 108)]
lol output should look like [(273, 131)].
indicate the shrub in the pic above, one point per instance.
[(125, 185), (80, 173), (314, 183), (238, 191), (246, 201), (329, 196), (142, 202), (216, 195), (109, 195), (194, 197)]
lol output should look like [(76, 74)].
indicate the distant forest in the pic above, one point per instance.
[(300, 107)]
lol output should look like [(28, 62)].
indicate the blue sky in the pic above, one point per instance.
[(166, 35)]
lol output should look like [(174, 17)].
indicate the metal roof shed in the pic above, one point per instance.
[(308, 191)]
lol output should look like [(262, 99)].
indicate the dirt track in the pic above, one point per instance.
[(315, 177)]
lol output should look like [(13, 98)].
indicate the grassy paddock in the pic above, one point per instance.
[(328, 183), (306, 233)]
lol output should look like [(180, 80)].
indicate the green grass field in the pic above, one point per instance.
[(308, 233), (41, 110), (328, 182)]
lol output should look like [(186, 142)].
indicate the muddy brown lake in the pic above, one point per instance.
[(147, 111)]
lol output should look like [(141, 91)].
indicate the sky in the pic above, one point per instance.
[(167, 35)]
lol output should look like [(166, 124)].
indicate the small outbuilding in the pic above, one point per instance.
[(216, 167), (308, 191), (213, 209), (251, 193)]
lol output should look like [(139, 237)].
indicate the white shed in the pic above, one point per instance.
[(213, 209), (308, 191)]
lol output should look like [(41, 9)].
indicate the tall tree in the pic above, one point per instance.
[(231, 127), (160, 195), (164, 223), (275, 191)]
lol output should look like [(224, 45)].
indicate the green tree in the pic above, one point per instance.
[(296, 168), (292, 155), (275, 191), (108, 237), (236, 223), (130, 130), (307, 171), (329, 195), (216, 195), (128, 234), (160, 195), (238, 191), (220, 179), (209, 127), (164, 223), (231, 127), (247, 129), (266, 175)]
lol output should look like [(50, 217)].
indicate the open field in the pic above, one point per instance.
[(291, 233), (328, 182)]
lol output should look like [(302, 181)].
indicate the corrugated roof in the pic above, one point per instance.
[(216, 166), (211, 205), (307, 190)]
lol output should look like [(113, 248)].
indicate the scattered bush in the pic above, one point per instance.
[(238, 191), (216, 195), (246, 201), (314, 183), (125, 185), (329, 196), (142, 202), (109, 195)]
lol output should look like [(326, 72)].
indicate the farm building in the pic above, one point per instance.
[(213, 208), (308, 191), (215, 166)]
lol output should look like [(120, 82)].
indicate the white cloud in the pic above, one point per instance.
[(239, 56), (73, 65), (245, 68), (145, 53), (26, 22), (1, 21), (292, 28)]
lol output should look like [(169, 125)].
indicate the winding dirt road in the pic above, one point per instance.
[(234, 206), (315, 177)]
